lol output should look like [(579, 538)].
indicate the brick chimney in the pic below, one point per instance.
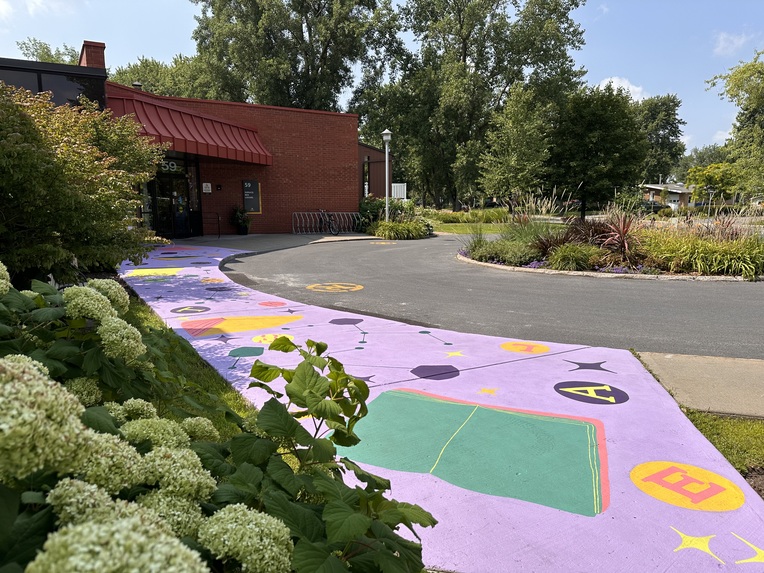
[(92, 54)]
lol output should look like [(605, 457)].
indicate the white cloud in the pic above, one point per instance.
[(687, 140), (39, 7), (603, 8), (729, 44), (6, 10), (721, 136), (637, 92)]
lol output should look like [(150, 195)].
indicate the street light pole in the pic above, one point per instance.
[(386, 135)]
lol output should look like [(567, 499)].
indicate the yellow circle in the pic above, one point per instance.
[(383, 243), (334, 287), (268, 338), (211, 280), (524, 347), (687, 486)]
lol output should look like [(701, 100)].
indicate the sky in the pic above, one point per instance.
[(650, 47)]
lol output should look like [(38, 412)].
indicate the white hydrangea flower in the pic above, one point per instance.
[(183, 515), (259, 542), (110, 462), (178, 472), (76, 501), (160, 431), (120, 340), (26, 360), (84, 302), (117, 411), (85, 389), (200, 429), (40, 425), (29, 293), (5, 280), (124, 545), (114, 291), (136, 409)]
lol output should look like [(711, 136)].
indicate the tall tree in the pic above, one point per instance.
[(597, 145), (700, 157), (297, 53), (39, 51), (659, 118), (744, 86)]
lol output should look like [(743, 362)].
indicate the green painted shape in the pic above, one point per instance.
[(243, 351), (538, 458)]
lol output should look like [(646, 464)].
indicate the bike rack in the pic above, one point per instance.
[(312, 222)]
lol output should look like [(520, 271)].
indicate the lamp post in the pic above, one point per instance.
[(386, 135)]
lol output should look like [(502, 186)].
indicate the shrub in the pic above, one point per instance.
[(505, 252), (666, 212), (575, 257), (417, 229)]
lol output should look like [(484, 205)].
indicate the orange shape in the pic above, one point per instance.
[(524, 347), (233, 324)]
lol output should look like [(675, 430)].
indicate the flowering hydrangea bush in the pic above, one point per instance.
[(200, 429), (114, 291), (84, 302), (182, 515), (128, 544), (137, 409), (178, 472), (259, 542), (110, 462), (120, 340), (159, 431), (85, 389)]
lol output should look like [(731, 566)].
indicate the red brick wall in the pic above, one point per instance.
[(315, 163)]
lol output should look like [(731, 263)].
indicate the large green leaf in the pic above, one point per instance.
[(63, 349), (316, 558), (374, 482), (43, 288), (343, 522), (5, 330), (264, 372), (49, 314), (276, 420), (321, 407), (306, 379), (247, 478), (30, 530), (9, 508), (323, 450), (283, 344), (282, 474), (335, 489), (213, 457), (250, 448), (303, 522), (99, 419), (409, 551), (227, 494)]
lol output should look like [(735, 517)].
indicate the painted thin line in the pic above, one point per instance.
[(594, 469), (452, 437)]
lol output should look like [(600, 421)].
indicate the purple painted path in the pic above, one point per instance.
[(533, 456)]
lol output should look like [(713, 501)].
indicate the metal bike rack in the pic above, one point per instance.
[(313, 223)]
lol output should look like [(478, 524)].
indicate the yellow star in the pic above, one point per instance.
[(491, 391), (699, 543), (758, 558), (456, 353)]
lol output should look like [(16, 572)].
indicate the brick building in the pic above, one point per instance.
[(272, 161)]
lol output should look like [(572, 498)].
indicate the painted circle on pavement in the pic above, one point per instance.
[(524, 347), (335, 287), (591, 392), (268, 338), (382, 243), (190, 309), (272, 304), (687, 486)]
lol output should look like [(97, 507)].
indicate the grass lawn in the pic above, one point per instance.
[(740, 440), (467, 228)]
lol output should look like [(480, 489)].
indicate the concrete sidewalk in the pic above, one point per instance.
[(732, 386)]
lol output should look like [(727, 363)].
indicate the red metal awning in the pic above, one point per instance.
[(189, 131)]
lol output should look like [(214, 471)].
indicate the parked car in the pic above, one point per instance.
[(652, 206)]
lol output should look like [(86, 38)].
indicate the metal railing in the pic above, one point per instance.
[(313, 222)]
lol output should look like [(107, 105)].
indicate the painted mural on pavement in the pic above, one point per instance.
[(533, 456)]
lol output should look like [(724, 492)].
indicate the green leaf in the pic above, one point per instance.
[(12, 568), (9, 508), (335, 490), (30, 530), (314, 558), (343, 522), (264, 386), (33, 498), (323, 450), (276, 420), (247, 478), (213, 458), (99, 419), (283, 344), (280, 472), (306, 379), (303, 522), (227, 494), (319, 407), (49, 314), (408, 551), (43, 288), (63, 350), (264, 372), (5, 330), (374, 482), (319, 347), (250, 448)]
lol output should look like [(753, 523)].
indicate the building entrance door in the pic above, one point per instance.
[(174, 201)]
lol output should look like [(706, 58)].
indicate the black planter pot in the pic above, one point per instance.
[(242, 230)]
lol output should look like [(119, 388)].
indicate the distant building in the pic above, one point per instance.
[(678, 194)]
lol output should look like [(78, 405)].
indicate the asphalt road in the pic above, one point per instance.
[(422, 282)]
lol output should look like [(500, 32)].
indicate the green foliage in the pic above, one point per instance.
[(416, 229), (67, 182), (658, 117), (718, 179), (620, 238), (575, 257), (504, 252), (666, 213), (473, 216), (372, 210), (185, 76), (38, 51), (738, 439)]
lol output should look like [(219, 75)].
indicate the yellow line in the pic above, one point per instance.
[(452, 437)]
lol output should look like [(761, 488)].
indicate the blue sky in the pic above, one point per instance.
[(651, 47)]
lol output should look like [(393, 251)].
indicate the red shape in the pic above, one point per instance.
[(199, 327), (272, 303), (678, 486)]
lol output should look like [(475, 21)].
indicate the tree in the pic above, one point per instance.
[(517, 146), (597, 145), (744, 86), (286, 52), (718, 178), (658, 117), (38, 51), (67, 180), (700, 157)]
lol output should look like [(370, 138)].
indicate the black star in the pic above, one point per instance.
[(224, 339), (589, 366)]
